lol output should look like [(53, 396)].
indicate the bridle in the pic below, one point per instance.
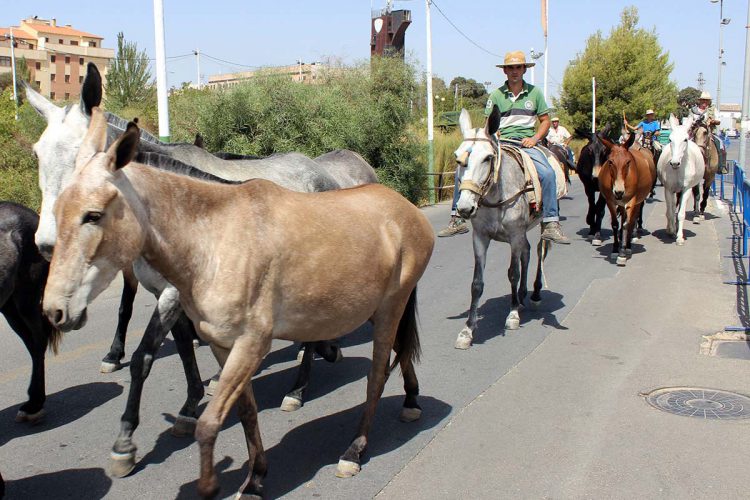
[(493, 177)]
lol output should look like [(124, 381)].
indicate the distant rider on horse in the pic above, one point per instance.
[(705, 112), (650, 129), (560, 136), (520, 105)]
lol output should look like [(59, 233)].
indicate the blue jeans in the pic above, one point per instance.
[(550, 209), (456, 192)]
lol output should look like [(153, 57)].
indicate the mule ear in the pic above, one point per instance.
[(91, 90), (40, 103), (607, 143), (96, 137), (464, 122), (493, 121), (125, 149), (673, 121), (630, 141), (688, 122), (198, 140)]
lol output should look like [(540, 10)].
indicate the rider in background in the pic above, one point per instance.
[(559, 135), (520, 105), (706, 112), (648, 125)]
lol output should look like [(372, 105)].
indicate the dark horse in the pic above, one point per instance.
[(592, 157), (561, 153), (23, 272)]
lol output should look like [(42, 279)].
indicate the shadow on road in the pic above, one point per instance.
[(306, 449), (62, 408), (89, 484)]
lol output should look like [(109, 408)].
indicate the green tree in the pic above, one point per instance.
[(128, 78), (632, 75), (686, 99), (23, 73), (471, 93)]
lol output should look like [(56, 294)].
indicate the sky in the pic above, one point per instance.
[(245, 34)]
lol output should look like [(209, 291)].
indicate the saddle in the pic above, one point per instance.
[(534, 196)]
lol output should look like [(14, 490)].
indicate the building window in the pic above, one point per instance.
[(60, 41), (67, 96), (74, 42), (38, 84), (5, 61), (67, 59), (67, 78), (46, 39), (38, 65), (52, 58), (80, 79), (92, 44), (52, 77), (52, 95), (80, 61), (31, 46)]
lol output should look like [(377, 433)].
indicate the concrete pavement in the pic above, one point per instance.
[(570, 420)]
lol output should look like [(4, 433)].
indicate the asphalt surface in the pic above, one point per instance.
[(67, 455)]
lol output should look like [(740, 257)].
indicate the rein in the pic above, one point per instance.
[(492, 178)]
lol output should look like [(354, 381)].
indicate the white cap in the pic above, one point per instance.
[(649, 111), (705, 95)]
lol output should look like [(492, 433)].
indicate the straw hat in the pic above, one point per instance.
[(649, 111), (515, 58), (705, 95), (555, 119)]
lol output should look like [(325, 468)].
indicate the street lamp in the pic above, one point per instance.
[(534, 56), (722, 22)]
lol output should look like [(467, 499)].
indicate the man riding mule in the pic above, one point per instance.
[(704, 115), (520, 105)]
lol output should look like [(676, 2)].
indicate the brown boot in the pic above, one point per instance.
[(552, 231), (457, 225)]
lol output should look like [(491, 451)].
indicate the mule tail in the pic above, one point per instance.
[(546, 245), (54, 337), (407, 343)]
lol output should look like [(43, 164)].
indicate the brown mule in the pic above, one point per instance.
[(625, 180), (703, 137), (244, 281)]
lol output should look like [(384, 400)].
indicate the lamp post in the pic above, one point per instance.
[(722, 22), (534, 56)]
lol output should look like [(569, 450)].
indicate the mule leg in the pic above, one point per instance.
[(258, 465), (696, 204), (481, 243), (591, 213), (164, 317), (111, 361), (706, 191), (681, 217), (383, 336), (294, 399), (33, 409), (525, 258), (184, 333), (613, 215), (670, 202), (541, 251), (238, 367), (513, 321), (601, 205)]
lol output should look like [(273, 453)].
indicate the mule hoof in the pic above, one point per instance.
[(628, 252), (410, 414), (291, 404), (621, 261), (590, 237), (512, 324), (196, 343), (696, 220), (184, 426), (636, 237), (347, 469), (680, 241), (339, 355), (300, 355), (121, 464), (109, 367), (535, 303), (463, 341), (31, 418), (596, 242), (614, 255), (247, 496), (212, 385)]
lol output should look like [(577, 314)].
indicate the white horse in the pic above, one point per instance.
[(681, 167)]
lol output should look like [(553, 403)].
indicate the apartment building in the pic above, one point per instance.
[(300, 72), (56, 55)]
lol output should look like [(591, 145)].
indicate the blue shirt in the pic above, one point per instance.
[(650, 127)]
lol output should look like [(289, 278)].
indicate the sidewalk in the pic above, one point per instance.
[(569, 421)]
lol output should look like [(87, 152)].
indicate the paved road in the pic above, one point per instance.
[(67, 455)]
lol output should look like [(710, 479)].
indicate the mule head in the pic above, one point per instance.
[(57, 148), (98, 228), (598, 150), (678, 140), (476, 155), (619, 162)]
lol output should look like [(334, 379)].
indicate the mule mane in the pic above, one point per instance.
[(120, 125), (169, 164)]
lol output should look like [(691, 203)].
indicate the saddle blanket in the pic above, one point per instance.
[(534, 197)]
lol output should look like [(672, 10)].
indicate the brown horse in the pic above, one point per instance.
[(246, 280), (703, 137), (625, 181)]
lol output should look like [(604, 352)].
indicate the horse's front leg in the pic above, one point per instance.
[(541, 252), (628, 224), (613, 215), (525, 257), (517, 247), (696, 204), (601, 207), (481, 242), (706, 191), (111, 361), (669, 201), (164, 317), (681, 217)]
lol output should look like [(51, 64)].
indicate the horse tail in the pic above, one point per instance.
[(407, 344), (54, 338)]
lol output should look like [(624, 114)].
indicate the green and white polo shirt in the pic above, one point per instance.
[(517, 114)]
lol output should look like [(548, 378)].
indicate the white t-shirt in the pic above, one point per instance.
[(558, 136)]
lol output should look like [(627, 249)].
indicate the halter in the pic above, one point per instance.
[(493, 177)]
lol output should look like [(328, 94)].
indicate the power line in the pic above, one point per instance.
[(229, 62), (462, 33)]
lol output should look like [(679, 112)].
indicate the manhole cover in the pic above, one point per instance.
[(701, 403)]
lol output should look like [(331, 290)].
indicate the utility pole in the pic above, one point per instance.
[(300, 63), (161, 71), (13, 64), (745, 119), (430, 124), (593, 105), (701, 81), (546, 48), (197, 53)]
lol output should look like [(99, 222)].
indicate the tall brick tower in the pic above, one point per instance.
[(388, 30)]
